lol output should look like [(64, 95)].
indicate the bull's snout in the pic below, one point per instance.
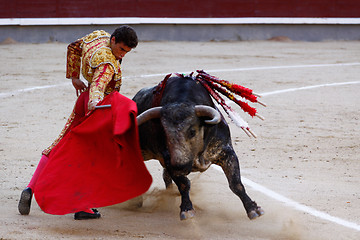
[(181, 169)]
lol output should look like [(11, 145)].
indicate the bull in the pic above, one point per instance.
[(187, 133)]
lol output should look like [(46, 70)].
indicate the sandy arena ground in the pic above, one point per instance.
[(307, 149)]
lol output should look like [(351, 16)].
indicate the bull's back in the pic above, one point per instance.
[(177, 90), (144, 99), (185, 90)]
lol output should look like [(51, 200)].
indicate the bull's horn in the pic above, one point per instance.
[(149, 114), (206, 111)]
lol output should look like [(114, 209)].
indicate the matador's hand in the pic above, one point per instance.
[(92, 104), (78, 85)]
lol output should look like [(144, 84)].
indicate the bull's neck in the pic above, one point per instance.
[(159, 90)]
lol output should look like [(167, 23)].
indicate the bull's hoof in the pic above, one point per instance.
[(184, 215), (255, 213)]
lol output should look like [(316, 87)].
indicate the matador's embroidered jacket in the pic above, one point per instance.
[(92, 54)]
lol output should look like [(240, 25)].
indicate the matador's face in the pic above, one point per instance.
[(119, 49)]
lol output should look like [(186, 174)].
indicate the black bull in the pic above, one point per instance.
[(186, 133)]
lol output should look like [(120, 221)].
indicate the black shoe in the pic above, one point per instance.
[(25, 201), (85, 215)]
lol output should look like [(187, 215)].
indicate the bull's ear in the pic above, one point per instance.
[(206, 111)]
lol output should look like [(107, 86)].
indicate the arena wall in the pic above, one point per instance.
[(182, 20)]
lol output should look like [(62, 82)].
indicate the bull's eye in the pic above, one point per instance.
[(191, 133)]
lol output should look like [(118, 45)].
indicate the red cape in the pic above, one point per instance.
[(97, 163)]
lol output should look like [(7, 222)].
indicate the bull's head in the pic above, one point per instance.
[(184, 128)]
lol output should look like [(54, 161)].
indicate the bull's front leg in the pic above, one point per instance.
[(183, 183), (231, 168), (186, 208), (167, 178)]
